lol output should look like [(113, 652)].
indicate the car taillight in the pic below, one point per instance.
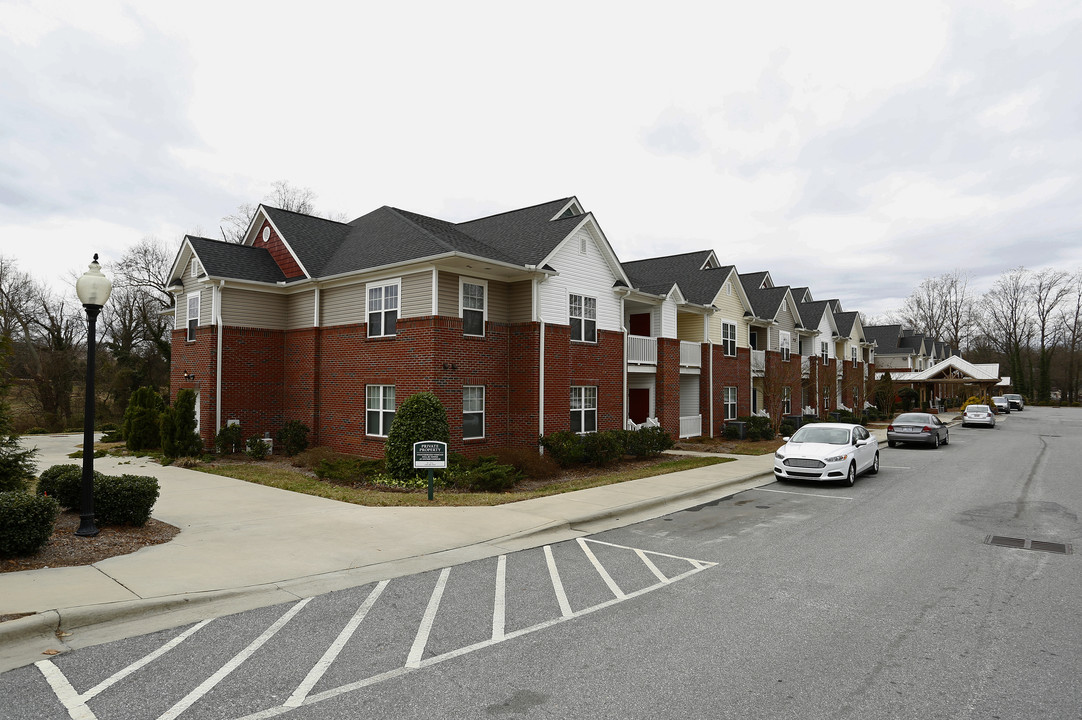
[(890, 428), (926, 429)]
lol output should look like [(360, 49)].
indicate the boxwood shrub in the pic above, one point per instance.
[(647, 442), (124, 500), (64, 483), (26, 522)]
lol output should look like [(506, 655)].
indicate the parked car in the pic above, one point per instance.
[(1001, 404), (923, 428), (1016, 402), (978, 415), (827, 451)]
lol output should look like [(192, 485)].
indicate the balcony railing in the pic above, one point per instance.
[(758, 362), (691, 426), (691, 354), (641, 350)]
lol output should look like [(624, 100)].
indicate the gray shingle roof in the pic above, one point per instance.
[(753, 280), (801, 295), (845, 321), (527, 235), (658, 275), (242, 262), (321, 237), (886, 338), (811, 313)]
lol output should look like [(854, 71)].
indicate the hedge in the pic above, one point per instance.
[(26, 522), (124, 500), (64, 483)]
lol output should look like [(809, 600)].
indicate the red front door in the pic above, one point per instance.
[(638, 404)]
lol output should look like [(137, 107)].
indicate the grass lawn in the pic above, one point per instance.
[(288, 478)]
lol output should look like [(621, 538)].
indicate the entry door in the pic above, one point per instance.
[(755, 400), (640, 325), (638, 404)]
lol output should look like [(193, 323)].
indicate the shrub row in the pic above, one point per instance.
[(118, 500), (606, 447)]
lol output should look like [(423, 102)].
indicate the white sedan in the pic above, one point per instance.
[(827, 451)]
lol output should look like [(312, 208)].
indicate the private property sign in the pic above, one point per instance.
[(431, 454)]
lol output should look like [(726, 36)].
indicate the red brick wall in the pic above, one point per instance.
[(196, 358), (730, 371), (667, 385), (279, 252)]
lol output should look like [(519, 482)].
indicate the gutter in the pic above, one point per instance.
[(218, 359)]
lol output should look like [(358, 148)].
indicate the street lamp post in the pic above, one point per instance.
[(93, 289)]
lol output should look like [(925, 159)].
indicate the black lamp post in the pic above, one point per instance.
[(93, 289)]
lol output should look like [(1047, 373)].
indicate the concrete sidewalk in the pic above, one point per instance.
[(243, 546)]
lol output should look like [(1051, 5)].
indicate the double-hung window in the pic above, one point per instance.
[(728, 339), (382, 309), (583, 409), (786, 400), (380, 409), (583, 314), (472, 304), (473, 411), (785, 342), (729, 399), (853, 352), (193, 315), (824, 352)]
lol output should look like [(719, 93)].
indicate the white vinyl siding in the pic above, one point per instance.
[(689, 395), (580, 274), (248, 308)]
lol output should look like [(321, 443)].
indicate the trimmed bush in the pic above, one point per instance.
[(141, 420), (420, 417), (731, 432), (347, 469), (787, 429), (565, 447), (311, 457), (602, 448), (64, 483), (529, 462), (293, 437), (124, 500), (229, 440), (489, 475), (758, 428), (647, 442), (257, 449), (26, 522)]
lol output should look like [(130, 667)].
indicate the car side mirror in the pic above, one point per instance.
[(785, 439)]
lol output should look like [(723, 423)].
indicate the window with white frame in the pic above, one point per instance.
[(824, 351), (728, 338), (380, 409), (193, 315), (583, 314), (583, 409), (382, 309), (785, 343), (473, 411), (786, 400), (826, 398), (728, 398), (472, 304), (853, 353)]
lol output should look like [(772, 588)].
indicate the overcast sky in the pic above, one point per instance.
[(852, 147)]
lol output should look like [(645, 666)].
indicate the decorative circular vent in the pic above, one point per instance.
[(266, 234)]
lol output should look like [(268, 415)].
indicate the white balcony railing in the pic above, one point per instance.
[(691, 426), (691, 354), (641, 350), (758, 362)]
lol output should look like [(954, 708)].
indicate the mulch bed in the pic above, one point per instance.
[(65, 549)]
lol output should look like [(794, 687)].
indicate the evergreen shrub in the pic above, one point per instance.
[(141, 420), (64, 483), (421, 417), (124, 499), (293, 437), (565, 447), (229, 440), (26, 522)]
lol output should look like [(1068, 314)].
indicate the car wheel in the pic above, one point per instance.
[(935, 443), (874, 469), (851, 478), (892, 443), (779, 478), (947, 438)]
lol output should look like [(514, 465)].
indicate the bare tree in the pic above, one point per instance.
[(1050, 287), (1070, 324), (1007, 321), (925, 309), (145, 266), (941, 308), (283, 195)]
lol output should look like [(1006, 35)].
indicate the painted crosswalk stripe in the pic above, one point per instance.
[(601, 569), (557, 585), (419, 642)]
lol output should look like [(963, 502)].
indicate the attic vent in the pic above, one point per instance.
[(728, 288), (266, 233), (195, 268), (571, 211), (582, 245)]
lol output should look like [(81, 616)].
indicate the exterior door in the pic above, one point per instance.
[(640, 325), (638, 404)]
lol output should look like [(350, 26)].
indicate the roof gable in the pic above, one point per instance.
[(228, 260)]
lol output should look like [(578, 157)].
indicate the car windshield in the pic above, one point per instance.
[(911, 419), (829, 436), (978, 408), (999, 399), (1013, 397)]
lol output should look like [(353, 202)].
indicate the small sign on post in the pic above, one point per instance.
[(430, 455)]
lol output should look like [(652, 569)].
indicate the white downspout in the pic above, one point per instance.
[(623, 328), (710, 369), (541, 357), (218, 359)]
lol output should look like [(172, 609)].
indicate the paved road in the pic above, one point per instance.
[(885, 600)]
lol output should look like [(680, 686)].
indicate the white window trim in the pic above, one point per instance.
[(584, 319), (582, 410), (824, 350), (371, 285), (189, 332), (785, 344), (474, 412), (380, 410), (725, 404), (787, 400), (462, 282), (195, 267), (726, 340)]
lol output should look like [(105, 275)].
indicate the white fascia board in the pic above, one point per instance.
[(288, 246), (606, 248), (644, 297), (422, 264), (573, 202), (734, 278), (707, 263), (178, 267), (676, 295), (256, 285), (249, 234)]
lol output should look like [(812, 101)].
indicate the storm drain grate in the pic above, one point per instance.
[(1024, 544)]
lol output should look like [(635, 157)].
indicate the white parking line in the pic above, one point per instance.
[(893, 467), (787, 492), (601, 570), (419, 642), (499, 605), (557, 585)]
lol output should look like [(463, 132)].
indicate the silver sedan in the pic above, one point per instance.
[(922, 428)]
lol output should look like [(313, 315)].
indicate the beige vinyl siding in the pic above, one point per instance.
[(448, 294), (416, 295), (785, 322), (300, 310), (206, 298), (689, 326), (498, 301), (342, 305), (520, 302), (249, 308), (729, 309)]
